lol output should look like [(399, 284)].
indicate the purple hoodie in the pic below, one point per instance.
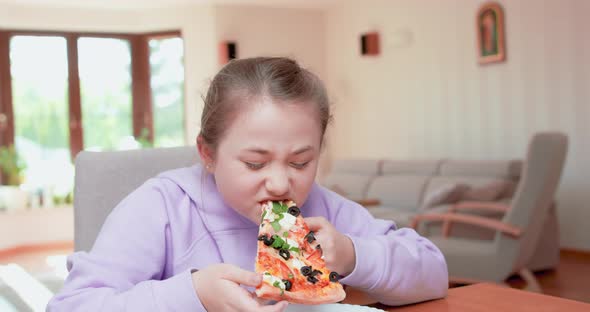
[(177, 221)]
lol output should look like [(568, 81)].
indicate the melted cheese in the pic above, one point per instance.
[(287, 221), (271, 280), (270, 216), (297, 263), (292, 243)]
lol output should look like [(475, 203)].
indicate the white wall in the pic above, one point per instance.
[(261, 31), (428, 97), (195, 22)]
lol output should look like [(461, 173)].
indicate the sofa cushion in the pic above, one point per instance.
[(503, 169), (492, 191), (353, 186), (351, 177), (399, 191), (445, 194), (410, 167), (401, 218), (477, 183)]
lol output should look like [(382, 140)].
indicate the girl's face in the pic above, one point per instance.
[(269, 152)]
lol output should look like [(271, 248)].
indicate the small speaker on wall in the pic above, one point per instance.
[(228, 50), (370, 43)]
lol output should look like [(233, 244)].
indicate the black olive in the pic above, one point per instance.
[(268, 241), (285, 254), (310, 237), (316, 272), (312, 279), (318, 247), (288, 284), (334, 277), (305, 270), (263, 238), (294, 211)]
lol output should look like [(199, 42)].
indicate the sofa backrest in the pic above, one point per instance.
[(475, 174), (402, 182), (351, 177)]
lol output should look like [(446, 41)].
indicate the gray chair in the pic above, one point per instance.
[(103, 179), (517, 233)]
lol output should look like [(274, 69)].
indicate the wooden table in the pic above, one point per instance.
[(486, 297)]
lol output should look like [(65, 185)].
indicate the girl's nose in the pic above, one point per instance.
[(277, 182)]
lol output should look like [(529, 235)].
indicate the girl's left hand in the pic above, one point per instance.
[(337, 248)]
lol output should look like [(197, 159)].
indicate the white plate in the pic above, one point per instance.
[(334, 307)]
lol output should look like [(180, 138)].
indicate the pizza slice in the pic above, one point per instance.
[(290, 259)]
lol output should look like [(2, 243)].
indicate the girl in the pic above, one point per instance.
[(186, 239)]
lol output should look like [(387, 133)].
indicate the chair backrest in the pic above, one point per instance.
[(533, 198), (103, 179)]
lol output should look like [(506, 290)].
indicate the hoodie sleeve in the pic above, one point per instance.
[(396, 267), (124, 269)]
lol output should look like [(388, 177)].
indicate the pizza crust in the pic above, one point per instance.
[(335, 294)]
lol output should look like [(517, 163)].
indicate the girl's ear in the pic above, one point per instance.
[(206, 154)]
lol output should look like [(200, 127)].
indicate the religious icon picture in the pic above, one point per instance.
[(490, 33)]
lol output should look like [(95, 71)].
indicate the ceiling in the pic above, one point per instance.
[(140, 4)]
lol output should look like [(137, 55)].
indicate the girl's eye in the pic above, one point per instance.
[(254, 166), (299, 165)]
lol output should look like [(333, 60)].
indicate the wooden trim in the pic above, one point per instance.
[(448, 218), (128, 36), (6, 109), (39, 247), (75, 105), (68, 33), (141, 88), (163, 34)]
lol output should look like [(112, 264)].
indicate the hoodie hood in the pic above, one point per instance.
[(200, 187)]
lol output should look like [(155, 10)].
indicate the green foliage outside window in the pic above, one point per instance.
[(11, 165)]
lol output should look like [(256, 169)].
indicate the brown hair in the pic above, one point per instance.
[(242, 80)]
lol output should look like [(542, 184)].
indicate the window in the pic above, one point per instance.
[(167, 81), (40, 105), (105, 91), (62, 92)]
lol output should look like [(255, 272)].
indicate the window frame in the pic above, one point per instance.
[(141, 93)]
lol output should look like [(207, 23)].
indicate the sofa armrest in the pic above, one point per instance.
[(474, 205), (448, 218)]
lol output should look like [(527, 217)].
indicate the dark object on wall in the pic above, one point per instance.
[(228, 50), (370, 43), (490, 33)]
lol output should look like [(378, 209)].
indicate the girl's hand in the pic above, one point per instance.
[(218, 288), (337, 248)]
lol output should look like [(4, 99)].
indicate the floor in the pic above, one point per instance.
[(570, 280)]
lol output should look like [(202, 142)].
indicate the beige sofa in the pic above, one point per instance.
[(400, 189)]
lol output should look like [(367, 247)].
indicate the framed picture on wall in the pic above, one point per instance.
[(490, 33)]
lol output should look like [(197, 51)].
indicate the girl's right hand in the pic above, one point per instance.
[(218, 288)]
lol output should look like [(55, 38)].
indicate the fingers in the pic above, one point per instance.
[(316, 223), (240, 276), (241, 299)]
